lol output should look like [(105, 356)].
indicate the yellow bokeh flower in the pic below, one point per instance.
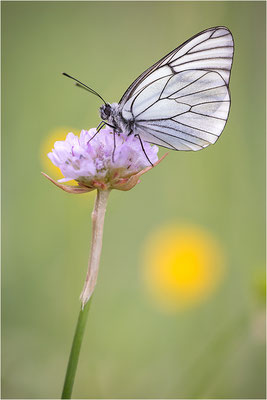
[(47, 146), (182, 266)]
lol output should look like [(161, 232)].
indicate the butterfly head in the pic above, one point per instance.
[(112, 114), (105, 111)]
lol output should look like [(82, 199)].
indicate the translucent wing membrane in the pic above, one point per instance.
[(182, 102), (199, 52), (188, 116)]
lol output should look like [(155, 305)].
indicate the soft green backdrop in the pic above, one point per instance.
[(131, 348)]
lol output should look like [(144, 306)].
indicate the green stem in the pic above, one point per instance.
[(98, 216), (75, 352)]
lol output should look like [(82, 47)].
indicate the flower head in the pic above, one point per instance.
[(98, 163)]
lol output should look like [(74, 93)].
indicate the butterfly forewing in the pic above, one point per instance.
[(182, 102)]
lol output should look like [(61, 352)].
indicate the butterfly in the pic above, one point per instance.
[(181, 102)]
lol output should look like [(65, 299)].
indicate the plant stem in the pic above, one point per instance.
[(75, 352), (98, 216)]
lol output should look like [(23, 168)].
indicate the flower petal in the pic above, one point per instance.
[(127, 184)]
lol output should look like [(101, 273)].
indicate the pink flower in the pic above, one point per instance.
[(94, 164)]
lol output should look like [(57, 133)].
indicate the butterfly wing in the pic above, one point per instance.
[(182, 102)]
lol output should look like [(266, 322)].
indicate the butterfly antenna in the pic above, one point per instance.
[(82, 85)]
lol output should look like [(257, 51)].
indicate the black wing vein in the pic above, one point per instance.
[(184, 95)]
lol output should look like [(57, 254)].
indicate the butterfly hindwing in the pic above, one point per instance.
[(189, 118)]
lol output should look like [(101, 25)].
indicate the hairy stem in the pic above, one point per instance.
[(98, 216)]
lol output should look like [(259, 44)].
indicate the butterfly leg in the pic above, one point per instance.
[(98, 129), (114, 148), (112, 126), (100, 123), (144, 150)]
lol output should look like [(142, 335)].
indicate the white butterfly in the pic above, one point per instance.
[(181, 102)]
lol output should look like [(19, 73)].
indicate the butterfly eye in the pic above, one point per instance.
[(105, 111)]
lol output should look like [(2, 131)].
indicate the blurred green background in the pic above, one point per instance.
[(132, 347)]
